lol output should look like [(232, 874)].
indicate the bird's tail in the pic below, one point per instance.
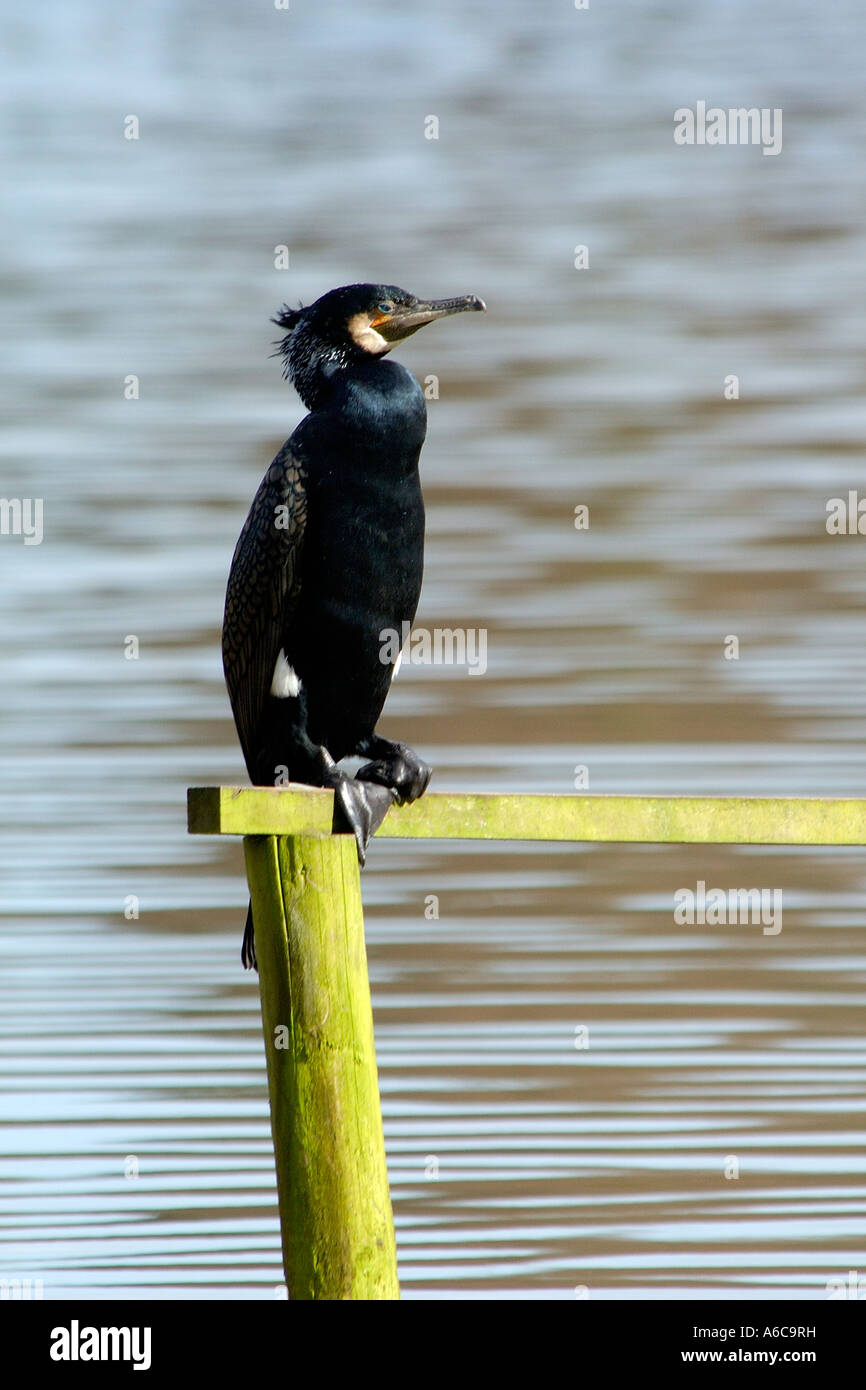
[(248, 950)]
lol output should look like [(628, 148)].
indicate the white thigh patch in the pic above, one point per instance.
[(285, 682)]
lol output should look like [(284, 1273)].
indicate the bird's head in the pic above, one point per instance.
[(358, 321)]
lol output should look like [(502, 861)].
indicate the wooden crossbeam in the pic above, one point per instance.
[(722, 820)]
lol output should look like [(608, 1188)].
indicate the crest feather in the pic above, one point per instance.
[(289, 319)]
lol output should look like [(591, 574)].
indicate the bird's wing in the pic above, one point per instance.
[(262, 592)]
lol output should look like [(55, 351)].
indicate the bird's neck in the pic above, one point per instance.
[(372, 401), (313, 365), (379, 406)]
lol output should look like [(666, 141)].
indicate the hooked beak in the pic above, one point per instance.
[(409, 318)]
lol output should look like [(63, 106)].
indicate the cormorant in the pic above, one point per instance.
[(330, 559)]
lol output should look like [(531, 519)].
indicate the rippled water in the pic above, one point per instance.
[(522, 1164)]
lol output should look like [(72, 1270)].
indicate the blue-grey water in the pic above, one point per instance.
[(579, 1093)]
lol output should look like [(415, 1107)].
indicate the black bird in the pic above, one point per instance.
[(330, 560)]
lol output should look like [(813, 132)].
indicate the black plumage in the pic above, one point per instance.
[(330, 560)]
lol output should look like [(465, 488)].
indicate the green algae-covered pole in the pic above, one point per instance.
[(335, 1204)]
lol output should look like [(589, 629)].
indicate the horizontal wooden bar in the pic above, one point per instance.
[(721, 820), (292, 810)]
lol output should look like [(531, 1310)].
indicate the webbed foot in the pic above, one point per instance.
[(397, 766), (362, 806)]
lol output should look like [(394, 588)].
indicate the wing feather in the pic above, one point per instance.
[(262, 593)]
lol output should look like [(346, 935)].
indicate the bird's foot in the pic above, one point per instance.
[(399, 768), (362, 806)]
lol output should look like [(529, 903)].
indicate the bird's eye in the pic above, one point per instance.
[(384, 307)]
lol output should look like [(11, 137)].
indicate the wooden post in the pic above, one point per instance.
[(335, 1204)]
